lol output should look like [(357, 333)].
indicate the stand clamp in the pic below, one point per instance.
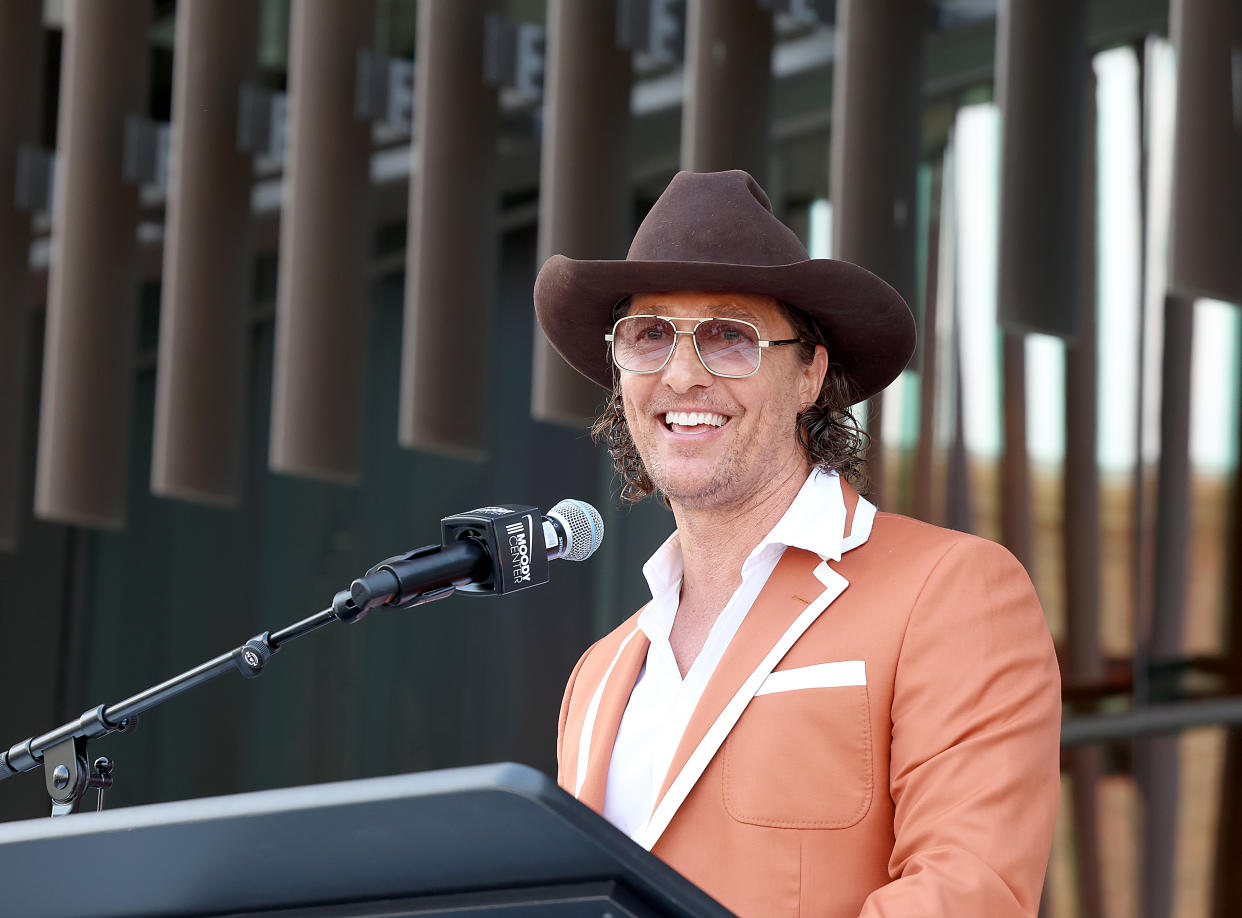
[(252, 656), (65, 773)]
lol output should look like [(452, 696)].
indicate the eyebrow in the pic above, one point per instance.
[(736, 312), (724, 310)]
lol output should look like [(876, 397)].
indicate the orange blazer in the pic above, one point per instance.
[(879, 739)]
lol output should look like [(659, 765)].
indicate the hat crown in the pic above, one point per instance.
[(715, 218), (716, 232)]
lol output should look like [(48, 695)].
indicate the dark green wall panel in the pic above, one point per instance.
[(458, 682)]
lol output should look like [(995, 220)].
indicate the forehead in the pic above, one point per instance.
[(764, 311)]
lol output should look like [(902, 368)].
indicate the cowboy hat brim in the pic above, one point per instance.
[(869, 327)]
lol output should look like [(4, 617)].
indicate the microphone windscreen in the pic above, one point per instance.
[(584, 528)]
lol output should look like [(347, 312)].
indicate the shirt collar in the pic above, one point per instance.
[(815, 522)]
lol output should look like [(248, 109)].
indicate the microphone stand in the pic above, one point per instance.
[(62, 752), (486, 552)]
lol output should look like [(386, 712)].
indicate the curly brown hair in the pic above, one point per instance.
[(827, 430)]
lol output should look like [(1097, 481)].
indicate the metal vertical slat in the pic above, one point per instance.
[(200, 379), (1205, 225), (322, 307), (1081, 526), (451, 252), (923, 498), (1015, 506), (1142, 552), (1205, 237), (84, 419), (1041, 63), (1150, 757), (1227, 888), (1156, 760), (959, 503), (874, 150), (957, 510), (584, 190), (21, 59), (726, 116)]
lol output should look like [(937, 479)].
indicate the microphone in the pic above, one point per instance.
[(491, 551)]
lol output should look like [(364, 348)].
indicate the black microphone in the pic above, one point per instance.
[(490, 551)]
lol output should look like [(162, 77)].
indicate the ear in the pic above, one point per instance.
[(812, 377)]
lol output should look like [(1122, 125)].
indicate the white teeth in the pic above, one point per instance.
[(694, 418)]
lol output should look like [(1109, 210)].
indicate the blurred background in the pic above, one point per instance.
[(265, 318)]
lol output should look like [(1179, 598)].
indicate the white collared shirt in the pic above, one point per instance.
[(662, 702)]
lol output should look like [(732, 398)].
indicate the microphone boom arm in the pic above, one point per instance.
[(489, 551)]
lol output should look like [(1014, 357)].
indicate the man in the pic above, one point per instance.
[(823, 710)]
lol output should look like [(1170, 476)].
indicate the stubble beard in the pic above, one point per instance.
[(706, 492), (713, 490), (721, 486)]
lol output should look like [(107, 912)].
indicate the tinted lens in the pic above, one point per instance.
[(642, 343), (728, 347)]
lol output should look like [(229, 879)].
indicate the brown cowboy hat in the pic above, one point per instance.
[(716, 231)]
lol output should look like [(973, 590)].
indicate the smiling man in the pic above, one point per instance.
[(824, 709)]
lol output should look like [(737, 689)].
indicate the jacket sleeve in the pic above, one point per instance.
[(974, 773), (561, 778)]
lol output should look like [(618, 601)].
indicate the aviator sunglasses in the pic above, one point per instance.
[(730, 348)]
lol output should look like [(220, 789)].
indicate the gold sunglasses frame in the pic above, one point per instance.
[(610, 337)]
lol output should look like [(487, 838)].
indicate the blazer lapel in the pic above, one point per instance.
[(603, 720), (799, 589)]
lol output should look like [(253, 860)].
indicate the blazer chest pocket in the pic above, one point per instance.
[(800, 755)]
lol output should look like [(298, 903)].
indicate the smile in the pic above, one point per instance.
[(674, 420)]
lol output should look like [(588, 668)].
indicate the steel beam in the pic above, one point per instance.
[(1154, 721)]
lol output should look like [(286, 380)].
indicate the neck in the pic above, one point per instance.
[(716, 540)]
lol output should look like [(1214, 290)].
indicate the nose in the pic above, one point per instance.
[(685, 370)]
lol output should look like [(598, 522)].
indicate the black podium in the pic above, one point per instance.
[(500, 841)]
